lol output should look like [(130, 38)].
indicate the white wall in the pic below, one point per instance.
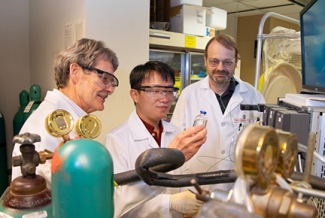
[(47, 20), (14, 60), (231, 27), (124, 27)]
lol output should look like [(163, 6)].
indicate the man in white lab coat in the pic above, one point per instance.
[(84, 75), (153, 92), (220, 94)]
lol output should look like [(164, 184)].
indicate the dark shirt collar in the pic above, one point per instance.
[(232, 85), (151, 130), (226, 96), (231, 88)]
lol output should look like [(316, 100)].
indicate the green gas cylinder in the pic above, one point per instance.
[(82, 180), (3, 156), (35, 100), (19, 120), (40, 212)]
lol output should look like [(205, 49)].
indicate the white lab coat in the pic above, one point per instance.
[(35, 124), (217, 152), (125, 143)]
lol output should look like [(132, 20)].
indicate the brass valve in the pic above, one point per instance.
[(29, 158), (261, 152), (45, 155), (29, 190), (278, 202)]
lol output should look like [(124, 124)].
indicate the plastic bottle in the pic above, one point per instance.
[(200, 119)]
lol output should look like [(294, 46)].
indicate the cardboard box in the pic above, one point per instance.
[(188, 19), (216, 18), (174, 3)]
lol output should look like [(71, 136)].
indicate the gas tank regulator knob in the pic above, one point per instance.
[(59, 123), (26, 138)]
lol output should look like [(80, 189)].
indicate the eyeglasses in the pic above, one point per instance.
[(226, 63), (158, 92), (107, 78)]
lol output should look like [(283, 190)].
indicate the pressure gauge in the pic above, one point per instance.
[(59, 123), (256, 154), (288, 145), (88, 126)]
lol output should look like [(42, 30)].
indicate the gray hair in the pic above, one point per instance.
[(84, 52)]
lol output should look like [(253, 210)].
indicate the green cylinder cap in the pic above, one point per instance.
[(35, 92), (23, 98)]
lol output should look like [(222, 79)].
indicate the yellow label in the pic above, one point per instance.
[(178, 83), (190, 41)]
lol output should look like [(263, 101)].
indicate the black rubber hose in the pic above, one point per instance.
[(160, 159), (151, 163), (157, 159), (151, 167), (170, 180), (228, 176), (126, 177)]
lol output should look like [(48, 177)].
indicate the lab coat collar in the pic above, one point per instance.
[(205, 83), (61, 100), (139, 131), (235, 100), (241, 87)]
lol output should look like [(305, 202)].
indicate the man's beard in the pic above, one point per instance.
[(219, 81)]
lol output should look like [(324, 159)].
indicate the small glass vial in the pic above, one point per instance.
[(201, 119)]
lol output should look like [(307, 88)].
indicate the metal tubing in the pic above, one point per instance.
[(308, 192), (260, 37), (309, 157)]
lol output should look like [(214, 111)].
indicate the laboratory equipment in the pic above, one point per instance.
[(264, 158), (264, 161), (77, 164), (313, 47), (294, 122), (27, 194)]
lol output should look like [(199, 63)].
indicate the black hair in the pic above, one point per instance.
[(143, 71)]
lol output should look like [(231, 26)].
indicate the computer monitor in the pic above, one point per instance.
[(312, 24)]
